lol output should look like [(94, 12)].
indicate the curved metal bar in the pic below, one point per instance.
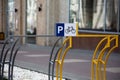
[(64, 55), (13, 60), (61, 66), (54, 63), (98, 60), (60, 63), (102, 62), (3, 63), (94, 57), (99, 44), (116, 45), (4, 45), (57, 63), (50, 59), (2, 52), (58, 57), (65, 41), (10, 58), (108, 54), (107, 60), (101, 55)]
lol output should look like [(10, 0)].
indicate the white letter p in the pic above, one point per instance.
[(60, 28)]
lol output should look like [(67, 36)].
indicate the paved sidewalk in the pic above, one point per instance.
[(77, 62)]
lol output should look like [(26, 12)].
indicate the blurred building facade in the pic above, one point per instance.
[(32, 17), (38, 17)]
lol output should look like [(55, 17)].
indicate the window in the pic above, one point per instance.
[(95, 14)]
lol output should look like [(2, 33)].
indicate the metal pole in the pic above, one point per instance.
[(69, 10), (26, 24), (6, 11), (48, 15), (34, 36), (118, 26), (78, 11), (105, 14), (98, 32)]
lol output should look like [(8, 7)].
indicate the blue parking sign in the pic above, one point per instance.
[(59, 29)]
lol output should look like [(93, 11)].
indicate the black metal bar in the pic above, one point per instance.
[(10, 58), (80, 30), (55, 57), (4, 45), (54, 62), (33, 36), (13, 60), (4, 62), (50, 59), (2, 52)]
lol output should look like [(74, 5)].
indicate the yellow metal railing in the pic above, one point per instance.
[(97, 71), (61, 57), (95, 59), (98, 61)]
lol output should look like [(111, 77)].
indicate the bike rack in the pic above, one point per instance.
[(98, 61), (11, 57), (55, 60)]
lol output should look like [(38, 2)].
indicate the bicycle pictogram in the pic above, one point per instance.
[(70, 30)]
